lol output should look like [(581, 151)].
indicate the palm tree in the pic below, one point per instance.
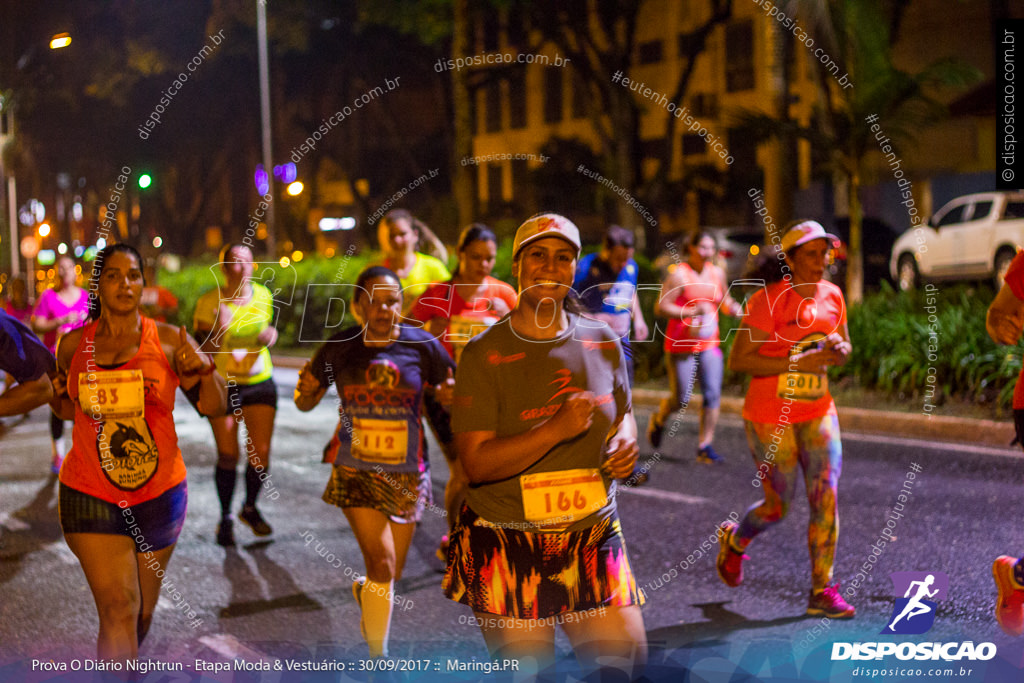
[(858, 35)]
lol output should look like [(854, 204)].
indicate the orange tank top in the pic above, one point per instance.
[(693, 334), (125, 449)]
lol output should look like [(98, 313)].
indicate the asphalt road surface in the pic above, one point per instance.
[(286, 601)]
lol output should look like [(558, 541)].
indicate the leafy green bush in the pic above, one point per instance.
[(303, 291), (891, 333)]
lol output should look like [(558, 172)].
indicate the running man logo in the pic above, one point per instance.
[(914, 613)]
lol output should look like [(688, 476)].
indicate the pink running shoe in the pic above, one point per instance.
[(830, 603), (730, 562), (1010, 603)]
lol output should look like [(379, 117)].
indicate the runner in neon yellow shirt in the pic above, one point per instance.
[(235, 324)]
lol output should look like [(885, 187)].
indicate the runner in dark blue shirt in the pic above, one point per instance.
[(381, 479), (24, 358)]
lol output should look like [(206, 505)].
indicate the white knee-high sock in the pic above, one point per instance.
[(377, 603)]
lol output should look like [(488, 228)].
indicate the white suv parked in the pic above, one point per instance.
[(970, 238)]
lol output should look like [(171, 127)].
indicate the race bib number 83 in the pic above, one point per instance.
[(111, 394)]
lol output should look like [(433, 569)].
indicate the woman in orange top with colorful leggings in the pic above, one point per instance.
[(793, 331), (122, 486)]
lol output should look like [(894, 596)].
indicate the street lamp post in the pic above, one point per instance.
[(12, 189), (261, 33), (57, 42)]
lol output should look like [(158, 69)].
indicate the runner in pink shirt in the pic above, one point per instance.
[(58, 311)]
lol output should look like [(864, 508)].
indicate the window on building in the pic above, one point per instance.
[(742, 148), (493, 185), (474, 109), (739, 56), (552, 95), (744, 171), (649, 52), (652, 149), (517, 98), (520, 181), (492, 107), (704, 105), (491, 29), (580, 96), (516, 30), (693, 145)]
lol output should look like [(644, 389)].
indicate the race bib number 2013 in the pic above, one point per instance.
[(802, 386)]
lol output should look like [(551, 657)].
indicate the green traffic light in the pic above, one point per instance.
[(145, 180)]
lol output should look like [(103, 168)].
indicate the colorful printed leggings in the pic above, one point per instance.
[(814, 445)]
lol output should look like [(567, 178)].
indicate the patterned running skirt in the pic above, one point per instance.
[(402, 496), (536, 575)]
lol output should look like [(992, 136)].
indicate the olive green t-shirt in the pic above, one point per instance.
[(507, 383)]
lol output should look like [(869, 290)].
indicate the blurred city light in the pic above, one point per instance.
[(328, 224), (262, 180), (285, 261), (62, 248), (297, 256), (286, 173), (295, 189), (60, 40), (44, 229), (158, 241), (145, 180)]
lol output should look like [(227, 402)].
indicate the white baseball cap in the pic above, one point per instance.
[(804, 232), (546, 225)]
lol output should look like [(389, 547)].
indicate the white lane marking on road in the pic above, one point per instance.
[(11, 523), (24, 433), (232, 648), (283, 464), (665, 495), (646, 492), (63, 553), (932, 445)]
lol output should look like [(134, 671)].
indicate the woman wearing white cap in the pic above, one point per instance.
[(796, 329), (544, 426)]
